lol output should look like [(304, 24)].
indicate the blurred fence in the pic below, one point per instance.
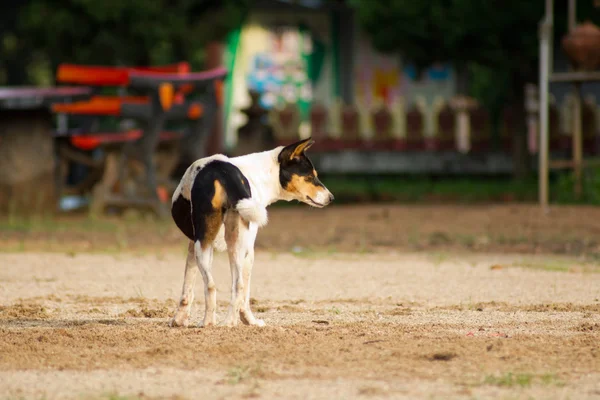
[(460, 126)]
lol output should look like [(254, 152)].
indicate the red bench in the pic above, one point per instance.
[(164, 96)]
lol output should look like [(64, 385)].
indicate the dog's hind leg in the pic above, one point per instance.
[(204, 256), (182, 315), (236, 237), (245, 312)]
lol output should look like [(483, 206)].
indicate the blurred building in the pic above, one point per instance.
[(304, 54)]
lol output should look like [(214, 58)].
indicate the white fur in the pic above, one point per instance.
[(219, 244), (252, 211)]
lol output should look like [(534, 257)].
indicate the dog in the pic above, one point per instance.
[(220, 203)]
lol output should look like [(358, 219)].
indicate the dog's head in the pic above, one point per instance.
[(298, 177)]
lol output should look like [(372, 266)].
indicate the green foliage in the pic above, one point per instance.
[(563, 189), (422, 189), (484, 32), (496, 38), (111, 32), (496, 41), (509, 380)]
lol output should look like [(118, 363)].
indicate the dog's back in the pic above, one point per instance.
[(209, 188)]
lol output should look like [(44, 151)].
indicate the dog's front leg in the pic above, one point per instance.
[(182, 315)]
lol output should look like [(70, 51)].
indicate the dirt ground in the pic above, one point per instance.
[(355, 229), (360, 302)]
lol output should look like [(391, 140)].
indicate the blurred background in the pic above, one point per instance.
[(430, 102), (448, 266)]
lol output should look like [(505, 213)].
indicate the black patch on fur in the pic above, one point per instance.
[(301, 166), (180, 211), (235, 184)]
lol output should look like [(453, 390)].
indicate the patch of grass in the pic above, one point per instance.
[(465, 189), (550, 265), (509, 380), (523, 380), (414, 237), (303, 252), (50, 225), (467, 240), (510, 240), (561, 190), (335, 310), (423, 189), (438, 258), (439, 238), (551, 380), (239, 374), (558, 265)]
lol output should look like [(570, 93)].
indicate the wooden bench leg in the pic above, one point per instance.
[(67, 154), (124, 170), (103, 189), (166, 160)]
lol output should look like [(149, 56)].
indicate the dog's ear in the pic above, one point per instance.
[(295, 150)]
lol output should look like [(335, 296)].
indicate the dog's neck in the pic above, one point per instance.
[(262, 171)]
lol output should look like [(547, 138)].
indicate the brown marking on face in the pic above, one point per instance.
[(302, 186), (315, 173)]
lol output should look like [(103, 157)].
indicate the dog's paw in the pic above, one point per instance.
[(248, 318), (206, 324), (180, 319), (258, 322)]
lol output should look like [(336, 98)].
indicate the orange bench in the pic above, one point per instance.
[(101, 77), (74, 146)]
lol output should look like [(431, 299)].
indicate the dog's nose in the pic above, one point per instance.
[(331, 198)]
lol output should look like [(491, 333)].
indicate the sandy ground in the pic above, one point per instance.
[(392, 324)]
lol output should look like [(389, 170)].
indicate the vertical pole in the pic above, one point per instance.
[(545, 46), (216, 139), (577, 115), (577, 142), (572, 14)]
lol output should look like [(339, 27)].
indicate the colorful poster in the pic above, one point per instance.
[(284, 58), (280, 73), (382, 78)]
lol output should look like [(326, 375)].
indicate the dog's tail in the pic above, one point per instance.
[(252, 211)]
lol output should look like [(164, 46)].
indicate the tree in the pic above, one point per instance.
[(498, 37), (113, 32)]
